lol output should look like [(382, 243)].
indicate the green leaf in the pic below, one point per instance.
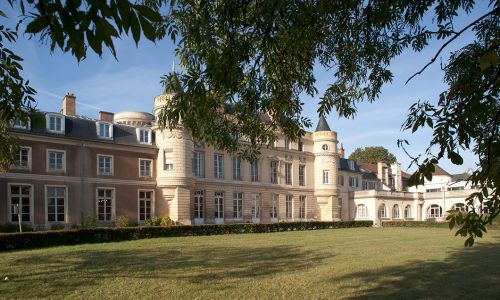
[(37, 25), (135, 27), (455, 158), (2, 14), (150, 14), (147, 29)]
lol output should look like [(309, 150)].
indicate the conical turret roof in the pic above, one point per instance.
[(322, 124)]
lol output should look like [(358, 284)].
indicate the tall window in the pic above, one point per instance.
[(219, 166), (56, 197), (408, 213), (55, 123), (56, 160), (361, 211), (105, 164), (301, 146), (199, 201), (256, 206), (340, 180), (199, 164), (287, 144), (219, 205), (382, 212), (302, 207), (351, 165), (145, 205), (434, 211), (20, 200), (144, 136), (104, 204), (168, 159), (17, 123), (289, 206), (22, 159), (395, 211), (302, 175), (326, 177), (288, 173), (255, 171), (105, 130), (275, 206), (458, 207), (237, 205), (274, 172), (353, 181), (236, 168), (145, 167)]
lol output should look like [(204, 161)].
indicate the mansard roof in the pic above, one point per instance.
[(84, 128), (344, 165), (322, 125)]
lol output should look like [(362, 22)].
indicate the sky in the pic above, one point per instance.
[(130, 83)]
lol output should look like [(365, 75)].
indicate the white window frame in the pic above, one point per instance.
[(288, 173), (218, 202), (300, 146), (287, 144), (350, 163), (340, 180), (112, 165), (458, 207), (237, 205), (113, 204), (254, 171), (218, 166), (168, 160), (362, 211), (63, 169), (275, 207), (28, 167), (303, 207), (21, 125), (302, 175), (139, 199), (47, 186), (396, 212), (55, 115), (199, 209), (150, 136), (289, 207), (256, 207), (9, 202), (274, 171), (353, 181), (236, 166), (434, 207), (326, 177), (150, 168), (199, 164), (408, 212), (109, 131), (382, 211)]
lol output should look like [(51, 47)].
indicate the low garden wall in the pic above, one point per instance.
[(28, 240)]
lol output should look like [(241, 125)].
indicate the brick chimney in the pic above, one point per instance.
[(106, 116), (69, 105)]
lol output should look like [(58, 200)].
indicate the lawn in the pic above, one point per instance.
[(337, 263)]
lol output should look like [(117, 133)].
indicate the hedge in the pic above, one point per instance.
[(27, 240), (415, 224)]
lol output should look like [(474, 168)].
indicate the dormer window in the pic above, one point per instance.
[(351, 164), (17, 123), (105, 130), (55, 123), (144, 136)]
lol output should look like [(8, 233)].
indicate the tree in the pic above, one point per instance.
[(373, 155), (248, 57)]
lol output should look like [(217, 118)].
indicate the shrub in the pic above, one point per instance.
[(153, 221), (415, 224), (57, 226), (13, 227), (75, 226), (124, 221), (89, 222), (26, 240), (166, 221)]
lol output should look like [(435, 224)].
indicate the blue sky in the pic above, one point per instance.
[(131, 82)]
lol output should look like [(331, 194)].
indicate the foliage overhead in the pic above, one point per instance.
[(258, 57), (373, 155)]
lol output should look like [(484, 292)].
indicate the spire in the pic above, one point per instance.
[(322, 124), (173, 66)]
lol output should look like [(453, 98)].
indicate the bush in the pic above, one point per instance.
[(89, 222), (124, 221), (166, 221), (14, 227), (153, 221), (9, 241), (57, 226), (415, 224), (75, 226)]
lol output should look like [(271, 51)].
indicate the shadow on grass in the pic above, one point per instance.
[(80, 270), (471, 273)]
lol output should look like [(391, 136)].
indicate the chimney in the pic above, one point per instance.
[(341, 151), (69, 105), (106, 116)]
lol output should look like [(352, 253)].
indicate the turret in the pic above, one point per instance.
[(325, 170)]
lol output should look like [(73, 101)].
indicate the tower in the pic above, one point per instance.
[(174, 161), (326, 160)]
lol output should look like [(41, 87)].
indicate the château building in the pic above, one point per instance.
[(70, 166)]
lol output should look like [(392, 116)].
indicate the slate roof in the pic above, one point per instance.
[(369, 176), (322, 125), (440, 171), (83, 128), (460, 177), (344, 165)]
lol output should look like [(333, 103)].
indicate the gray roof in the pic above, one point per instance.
[(83, 128), (322, 125), (460, 177), (344, 165), (369, 176)]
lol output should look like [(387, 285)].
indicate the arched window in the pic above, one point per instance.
[(434, 211), (382, 212), (408, 212), (458, 207), (361, 211), (324, 147), (395, 211)]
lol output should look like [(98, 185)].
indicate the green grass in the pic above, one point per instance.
[(342, 263)]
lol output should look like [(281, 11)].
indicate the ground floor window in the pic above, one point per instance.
[(145, 205), (56, 198), (361, 211), (199, 205), (289, 206), (237, 205), (275, 206), (20, 202), (302, 207), (382, 212), (408, 213), (434, 211), (219, 205), (256, 206), (104, 204), (395, 211), (458, 207)]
